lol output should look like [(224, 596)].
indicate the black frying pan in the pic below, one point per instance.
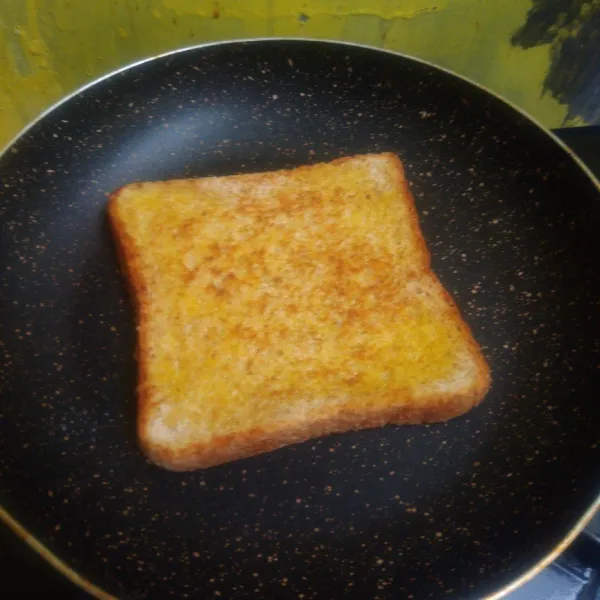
[(459, 509)]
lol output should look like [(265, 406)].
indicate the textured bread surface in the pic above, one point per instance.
[(280, 306)]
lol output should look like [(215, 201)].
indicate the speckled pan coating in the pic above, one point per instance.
[(451, 510)]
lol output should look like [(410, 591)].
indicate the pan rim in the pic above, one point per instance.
[(96, 591)]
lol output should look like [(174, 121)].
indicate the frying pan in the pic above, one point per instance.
[(468, 508)]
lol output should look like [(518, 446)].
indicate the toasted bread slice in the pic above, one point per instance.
[(281, 306)]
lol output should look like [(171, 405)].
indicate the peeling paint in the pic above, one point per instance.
[(570, 29)]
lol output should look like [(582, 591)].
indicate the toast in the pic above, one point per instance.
[(281, 306)]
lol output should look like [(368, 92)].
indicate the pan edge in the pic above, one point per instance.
[(51, 558), (577, 528)]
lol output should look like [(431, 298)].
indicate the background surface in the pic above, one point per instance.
[(543, 55)]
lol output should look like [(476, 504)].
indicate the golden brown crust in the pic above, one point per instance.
[(256, 441), (128, 262), (414, 215), (484, 378)]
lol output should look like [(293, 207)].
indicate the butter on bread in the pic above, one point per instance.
[(281, 306)]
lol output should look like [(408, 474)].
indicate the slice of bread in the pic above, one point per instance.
[(281, 306)]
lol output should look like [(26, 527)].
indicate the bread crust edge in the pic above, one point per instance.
[(235, 446), (239, 445)]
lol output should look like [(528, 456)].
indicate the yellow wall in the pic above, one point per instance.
[(50, 47)]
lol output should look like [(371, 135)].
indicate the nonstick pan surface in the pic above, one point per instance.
[(459, 509)]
